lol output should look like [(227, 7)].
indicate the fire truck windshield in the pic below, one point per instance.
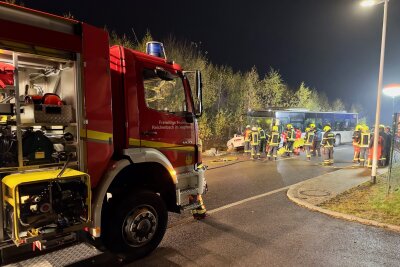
[(164, 91)]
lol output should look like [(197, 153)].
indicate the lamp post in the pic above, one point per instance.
[(368, 3)]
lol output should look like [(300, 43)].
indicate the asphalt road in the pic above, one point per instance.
[(252, 223), (269, 230)]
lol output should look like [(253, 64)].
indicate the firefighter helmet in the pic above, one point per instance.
[(248, 127), (312, 125), (381, 126), (365, 128), (254, 129), (358, 127), (327, 128), (308, 129), (275, 128), (289, 126)]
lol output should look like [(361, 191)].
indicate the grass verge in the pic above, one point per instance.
[(369, 201)]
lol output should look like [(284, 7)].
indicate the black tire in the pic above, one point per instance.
[(141, 209)]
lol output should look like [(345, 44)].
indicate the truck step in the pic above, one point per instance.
[(62, 257), (190, 206)]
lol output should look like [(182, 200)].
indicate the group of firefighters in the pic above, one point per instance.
[(363, 144), (257, 142)]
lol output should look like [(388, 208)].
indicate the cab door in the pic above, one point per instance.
[(166, 117)]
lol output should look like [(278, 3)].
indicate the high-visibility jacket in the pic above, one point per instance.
[(309, 138), (328, 140), (291, 135), (254, 138), (274, 139), (364, 140), (262, 134), (247, 133)]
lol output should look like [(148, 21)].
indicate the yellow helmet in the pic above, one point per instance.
[(275, 128), (248, 127), (381, 126), (358, 127), (327, 128), (308, 129), (289, 126), (365, 128), (312, 125)]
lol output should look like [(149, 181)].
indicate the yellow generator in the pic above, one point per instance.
[(44, 203)]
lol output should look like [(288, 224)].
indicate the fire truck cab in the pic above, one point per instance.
[(92, 138)]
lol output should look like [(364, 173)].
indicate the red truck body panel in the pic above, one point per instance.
[(98, 95), (39, 37), (115, 112)]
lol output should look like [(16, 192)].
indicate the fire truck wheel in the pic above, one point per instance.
[(136, 225)]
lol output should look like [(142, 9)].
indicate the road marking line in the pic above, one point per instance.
[(248, 199), (246, 160)]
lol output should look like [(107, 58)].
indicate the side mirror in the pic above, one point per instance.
[(189, 117), (199, 95)]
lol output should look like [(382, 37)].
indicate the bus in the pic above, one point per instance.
[(342, 123)]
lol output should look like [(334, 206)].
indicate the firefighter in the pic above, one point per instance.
[(247, 133), (298, 142), (290, 138), (263, 140), (308, 142), (386, 141), (316, 148), (255, 142), (273, 143), (200, 212), (363, 143), (388, 145), (381, 143), (356, 143), (328, 140)]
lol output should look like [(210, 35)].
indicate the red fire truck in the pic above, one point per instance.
[(92, 138)]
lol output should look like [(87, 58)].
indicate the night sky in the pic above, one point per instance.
[(332, 45)]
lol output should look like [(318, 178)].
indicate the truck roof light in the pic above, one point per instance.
[(156, 49)]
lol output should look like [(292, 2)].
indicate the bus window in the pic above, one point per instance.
[(297, 120), (326, 119), (309, 118)]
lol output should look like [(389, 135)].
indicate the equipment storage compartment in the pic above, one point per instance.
[(42, 203), (38, 111)]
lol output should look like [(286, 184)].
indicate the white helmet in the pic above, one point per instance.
[(248, 126), (254, 128)]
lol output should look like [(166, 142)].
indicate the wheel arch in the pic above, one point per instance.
[(140, 169)]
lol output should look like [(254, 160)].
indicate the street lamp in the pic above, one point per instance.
[(392, 90), (367, 3)]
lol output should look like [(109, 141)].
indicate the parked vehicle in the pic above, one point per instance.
[(236, 142)]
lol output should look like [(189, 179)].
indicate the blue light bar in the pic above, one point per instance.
[(155, 49)]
